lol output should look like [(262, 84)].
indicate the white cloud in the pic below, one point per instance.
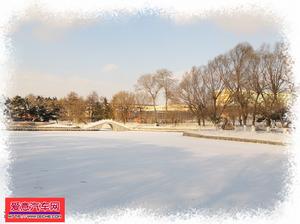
[(238, 21), (50, 26), (110, 68), (245, 23), (53, 85)]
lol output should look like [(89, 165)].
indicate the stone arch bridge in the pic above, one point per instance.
[(115, 126)]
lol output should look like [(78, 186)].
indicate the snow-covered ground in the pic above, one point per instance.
[(163, 171)]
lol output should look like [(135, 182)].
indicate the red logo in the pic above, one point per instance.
[(34, 209)]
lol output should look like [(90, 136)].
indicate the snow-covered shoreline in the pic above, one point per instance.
[(243, 136), (275, 136)]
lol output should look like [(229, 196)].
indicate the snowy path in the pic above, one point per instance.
[(165, 171)]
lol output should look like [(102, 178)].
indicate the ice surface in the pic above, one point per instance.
[(167, 172)]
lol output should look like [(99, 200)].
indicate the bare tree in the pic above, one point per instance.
[(214, 75), (74, 108), (193, 93), (123, 104), (256, 81), (141, 100), (238, 80), (167, 83), (92, 101), (277, 75), (148, 83)]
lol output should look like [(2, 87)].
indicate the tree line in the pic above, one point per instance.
[(233, 86), (70, 108), (241, 85)]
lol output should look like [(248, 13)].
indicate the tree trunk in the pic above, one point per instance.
[(253, 118), (244, 119), (268, 122), (155, 112), (199, 121), (166, 104), (215, 111), (240, 120), (255, 109)]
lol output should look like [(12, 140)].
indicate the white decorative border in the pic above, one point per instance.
[(286, 12)]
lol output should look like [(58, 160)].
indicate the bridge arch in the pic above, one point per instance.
[(105, 126), (115, 126)]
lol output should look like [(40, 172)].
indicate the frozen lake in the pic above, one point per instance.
[(167, 172)]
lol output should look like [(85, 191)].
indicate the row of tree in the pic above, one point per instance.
[(230, 87), (253, 82), (243, 83), (71, 108)]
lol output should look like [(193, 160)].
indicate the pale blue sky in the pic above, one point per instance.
[(108, 55)]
